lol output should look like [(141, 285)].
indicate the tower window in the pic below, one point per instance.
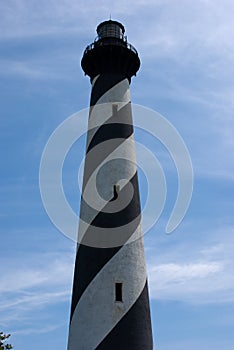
[(119, 292), (116, 191)]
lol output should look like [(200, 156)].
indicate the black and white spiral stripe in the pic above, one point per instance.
[(97, 320)]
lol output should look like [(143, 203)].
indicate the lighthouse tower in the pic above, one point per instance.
[(110, 302)]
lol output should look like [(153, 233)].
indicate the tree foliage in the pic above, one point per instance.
[(3, 341)]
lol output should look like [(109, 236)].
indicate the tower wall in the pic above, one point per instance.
[(110, 303)]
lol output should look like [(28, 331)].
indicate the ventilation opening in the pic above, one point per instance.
[(118, 291)]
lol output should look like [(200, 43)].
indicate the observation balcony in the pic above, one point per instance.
[(110, 52)]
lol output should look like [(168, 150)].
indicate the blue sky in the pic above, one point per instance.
[(187, 53)]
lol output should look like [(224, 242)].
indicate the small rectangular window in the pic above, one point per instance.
[(115, 192), (118, 291)]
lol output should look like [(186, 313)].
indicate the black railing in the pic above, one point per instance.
[(110, 42)]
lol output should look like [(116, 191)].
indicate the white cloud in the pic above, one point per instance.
[(186, 282), (177, 22), (190, 272), (39, 298), (40, 330), (203, 276), (34, 284), (51, 271), (185, 272), (194, 272)]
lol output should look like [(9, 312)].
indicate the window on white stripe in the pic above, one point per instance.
[(119, 291)]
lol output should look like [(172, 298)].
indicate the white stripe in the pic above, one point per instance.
[(99, 189), (118, 165), (115, 94), (102, 110), (97, 313)]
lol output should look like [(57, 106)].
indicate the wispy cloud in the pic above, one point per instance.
[(33, 285), (40, 330), (192, 282), (203, 276)]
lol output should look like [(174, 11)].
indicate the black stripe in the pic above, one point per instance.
[(104, 83), (96, 157), (116, 129), (110, 237), (133, 331), (116, 218), (90, 260), (117, 126)]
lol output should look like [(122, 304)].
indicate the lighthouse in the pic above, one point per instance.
[(110, 303)]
